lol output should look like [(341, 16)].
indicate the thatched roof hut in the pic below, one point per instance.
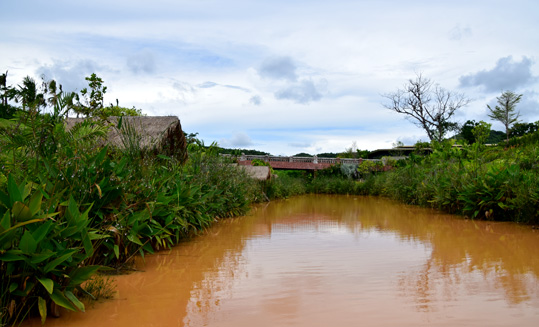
[(161, 135)]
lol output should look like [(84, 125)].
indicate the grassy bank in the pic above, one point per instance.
[(70, 207), (333, 180), (494, 183)]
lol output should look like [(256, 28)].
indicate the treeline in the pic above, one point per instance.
[(35, 97)]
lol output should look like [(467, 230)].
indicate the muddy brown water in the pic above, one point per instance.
[(333, 261)]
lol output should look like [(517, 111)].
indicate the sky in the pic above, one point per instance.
[(283, 77)]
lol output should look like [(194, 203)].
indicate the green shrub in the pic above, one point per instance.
[(476, 181)]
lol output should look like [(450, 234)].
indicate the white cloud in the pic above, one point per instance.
[(314, 70), (70, 74), (142, 62), (236, 141), (207, 85), (278, 68), (302, 92), (255, 100), (506, 75), (458, 32)]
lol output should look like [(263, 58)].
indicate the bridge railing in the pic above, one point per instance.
[(315, 159)]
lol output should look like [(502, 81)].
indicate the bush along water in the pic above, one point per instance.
[(477, 181), (70, 207)]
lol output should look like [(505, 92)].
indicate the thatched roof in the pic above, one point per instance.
[(158, 134)]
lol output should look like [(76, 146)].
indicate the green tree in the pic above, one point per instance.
[(363, 153), (427, 105), (351, 152), (505, 112), (481, 132), (466, 131), (93, 97), (29, 95), (521, 129), (302, 154), (53, 90), (6, 93), (495, 137)]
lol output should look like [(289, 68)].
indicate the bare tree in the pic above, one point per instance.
[(428, 105)]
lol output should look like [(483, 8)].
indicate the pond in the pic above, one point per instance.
[(333, 261)]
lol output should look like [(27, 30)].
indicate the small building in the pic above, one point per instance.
[(260, 173), (158, 134)]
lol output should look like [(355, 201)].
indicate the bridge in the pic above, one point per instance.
[(297, 163)]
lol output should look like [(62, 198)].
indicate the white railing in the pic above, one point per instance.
[(315, 159)]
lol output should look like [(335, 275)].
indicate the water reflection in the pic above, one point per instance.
[(463, 261), (320, 260)]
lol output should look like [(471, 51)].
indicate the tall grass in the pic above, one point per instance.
[(333, 180), (286, 184), (70, 207)]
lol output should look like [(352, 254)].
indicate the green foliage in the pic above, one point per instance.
[(238, 152), (495, 137), (352, 152), (328, 155), (29, 95), (521, 129), (258, 162), (7, 111), (466, 131), (334, 185), (43, 242), (331, 171), (108, 205), (92, 97), (3, 180), (368, 167), (481, 131), (303, 154), (528, 139), (117, 111), (331, 180), (287, 184), (476, 181)]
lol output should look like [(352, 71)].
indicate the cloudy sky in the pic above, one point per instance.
[(279, 76)]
